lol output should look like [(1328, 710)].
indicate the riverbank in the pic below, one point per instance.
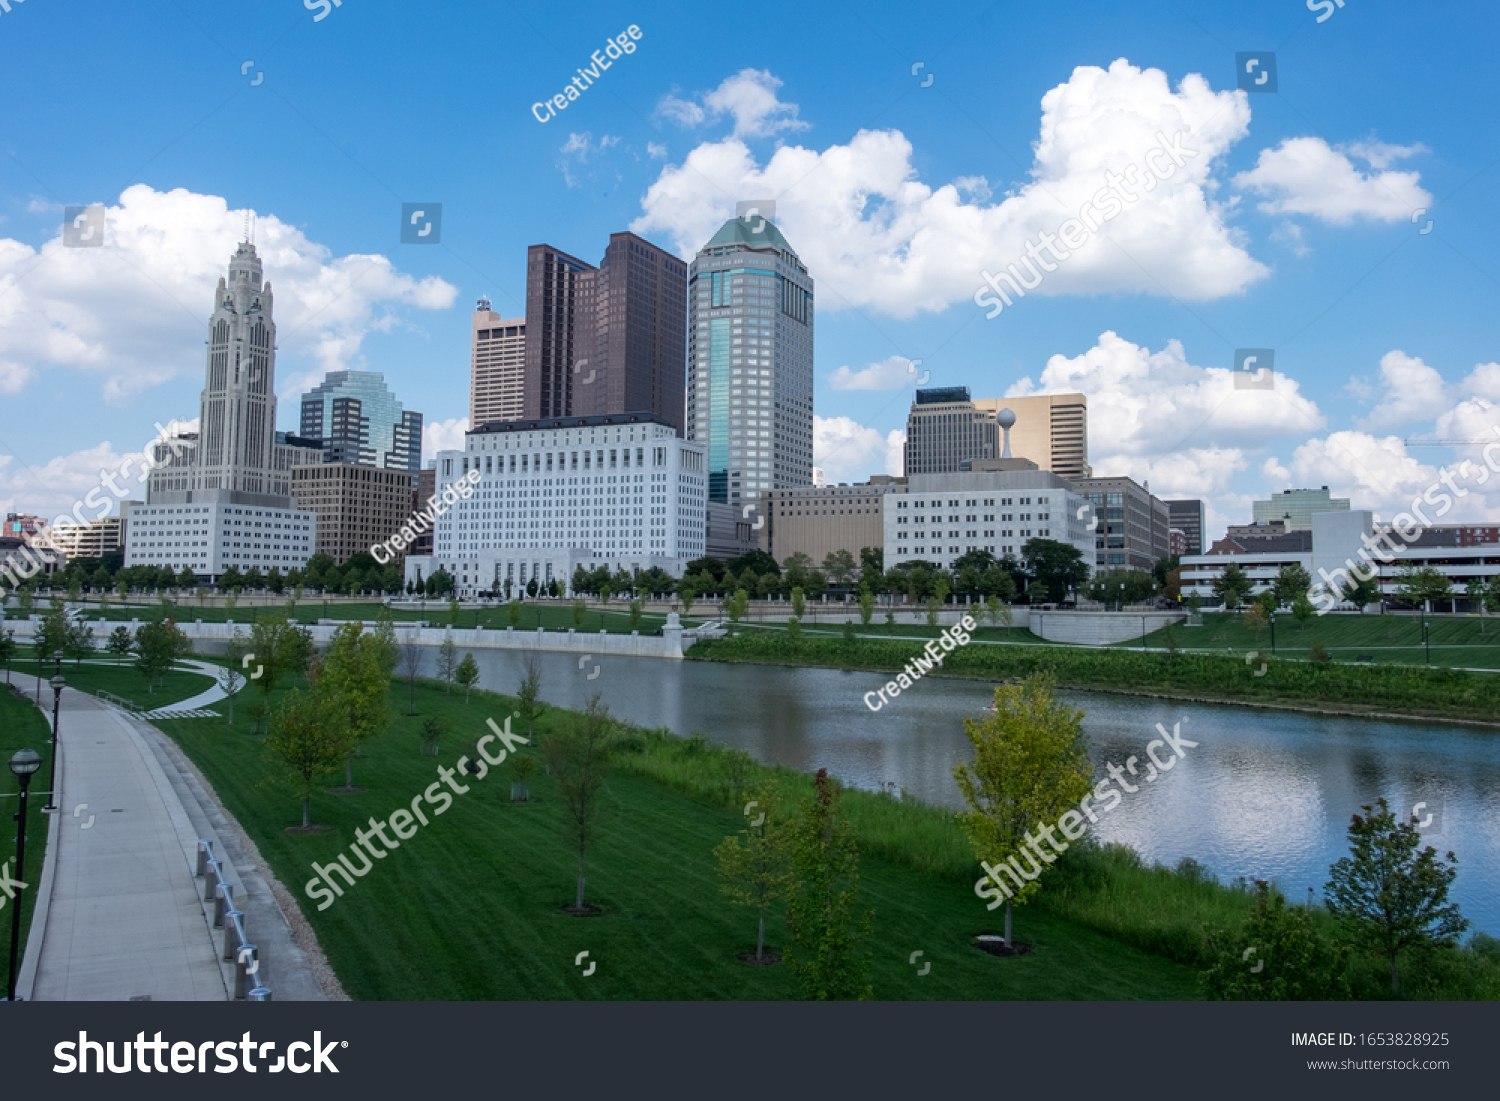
[(1359, 691)]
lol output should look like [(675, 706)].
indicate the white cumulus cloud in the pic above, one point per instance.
[(891, 373), (749, 97), (875, 235), (848, 451), (445, 435), (1308, 176)]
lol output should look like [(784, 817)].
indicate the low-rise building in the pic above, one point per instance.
[(818, 520), (358, 506), (1132, 523)]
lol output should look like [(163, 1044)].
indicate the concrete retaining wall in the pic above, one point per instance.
[(1099, 628)]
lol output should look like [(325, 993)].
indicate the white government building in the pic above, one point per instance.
[(560, 492), (221, 497)]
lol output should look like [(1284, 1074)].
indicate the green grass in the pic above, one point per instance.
[(1466, 642), (1439, 693), (471, 907), (554, 615), (123, 680), (23, 725)]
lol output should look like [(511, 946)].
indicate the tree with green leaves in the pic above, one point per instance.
[(385, 637), (1056, 568), (1030, 768), (866, 605), (52, 635), (230, 675), (1232, 586), (273, 649), (1361, 591), (738, 605), (1120, 585), (412, 656), (1389, 894), (1257, 619), (578, 752), (828, 930), (686, 593), (78, 642), (120, 642), (1302, 609), (7, 651), (934, 608), (513, 613), (637, 610), (156, 646), (604, 594), (309, 741), (1422, 585), (839, 566), (447, 661), (799, 604), (755, 864), (355, 688), (529, 703), (1277, 956), (1292, 581), (467, 675)]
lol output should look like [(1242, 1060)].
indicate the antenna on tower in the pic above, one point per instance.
[(247, 227)]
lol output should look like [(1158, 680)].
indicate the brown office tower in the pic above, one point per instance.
[(640, 335), (559, 329), (606, 340)]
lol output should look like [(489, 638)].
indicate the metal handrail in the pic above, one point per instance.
[(249, 982)]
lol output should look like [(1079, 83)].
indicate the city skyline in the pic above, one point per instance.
[(1302, 231)]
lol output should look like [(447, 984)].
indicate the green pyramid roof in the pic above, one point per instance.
[(742, 231)]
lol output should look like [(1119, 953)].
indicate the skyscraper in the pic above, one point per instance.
[(944, 428), (750, 360), (606, 340), (497, 367), (221, 497), (358, 420)]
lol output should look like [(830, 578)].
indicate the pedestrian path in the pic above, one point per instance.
[(195, 706), (123, 919)]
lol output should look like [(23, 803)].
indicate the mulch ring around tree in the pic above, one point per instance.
[(994, 944), (583, 911), (766, 959), (306, 829)]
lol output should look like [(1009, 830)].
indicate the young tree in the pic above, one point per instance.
[(447, 661), (78, 642), (866, 606), (686, 593), (120, 642), (580, 611), (230, 675), (7, 651), (1257, 619), (604, 594), (1389, 895), (388, 649), (1232, 586), (411, 667), (755, 864), (1030, 768), (529, 704), (799, 604), (1292, 581), (823, 918), (1302, 609), (453, 613), (467, 675), (578, 756), (1424, 584), (1278, 956), (306, 739), (156, 647), (637, 609), (354, 688)]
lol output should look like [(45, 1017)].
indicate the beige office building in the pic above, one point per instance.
[(1052, 430), (497, 367), (93, 539), (358, 507), (817, 520)]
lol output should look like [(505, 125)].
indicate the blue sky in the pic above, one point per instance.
[(1290, 229)]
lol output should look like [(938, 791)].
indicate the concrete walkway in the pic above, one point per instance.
[(123, 920)]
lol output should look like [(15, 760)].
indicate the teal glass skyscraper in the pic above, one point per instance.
[(750, 360), (357, 420)]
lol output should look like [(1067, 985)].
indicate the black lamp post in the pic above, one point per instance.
[(1426, 637), (1273, 634), (58, 684), (57, 656), (23, 764)]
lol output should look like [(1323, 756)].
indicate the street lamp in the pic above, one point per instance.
[(23, 764), (58, 684), (1273, 634), (1120, 607), (57, 656)]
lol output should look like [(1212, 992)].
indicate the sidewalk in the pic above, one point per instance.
[(123, 921)]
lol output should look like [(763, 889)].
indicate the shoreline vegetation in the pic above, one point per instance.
[(1357, 691)]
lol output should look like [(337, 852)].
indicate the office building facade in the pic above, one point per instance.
[(1297, 507), (356, 419), (818, 520), (750, 361), (1133, 527), (945, 428), (497, 366), (942, 517), (358, 506), (554, 493), (1052, 430), (1191, 518)]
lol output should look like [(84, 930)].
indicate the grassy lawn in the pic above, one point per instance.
[(123, 680), (1467, 642), (615, 618), (23, 725), (471, 906)]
